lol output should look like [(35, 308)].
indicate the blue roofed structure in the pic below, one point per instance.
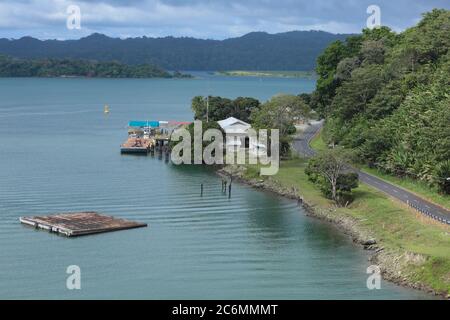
[(143, 124)]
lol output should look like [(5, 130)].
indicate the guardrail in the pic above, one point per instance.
[(426, 213)]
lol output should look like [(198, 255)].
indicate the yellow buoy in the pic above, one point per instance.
[(106, 109)]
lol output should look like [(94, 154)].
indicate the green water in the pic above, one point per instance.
[(60, 153)]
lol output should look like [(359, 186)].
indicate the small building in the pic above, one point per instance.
[(236, 133), (237, 137)]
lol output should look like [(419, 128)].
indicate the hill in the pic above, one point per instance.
[(296, 50), (387, 96), (15, 67)]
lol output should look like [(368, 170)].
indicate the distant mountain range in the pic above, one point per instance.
[(295, 50)]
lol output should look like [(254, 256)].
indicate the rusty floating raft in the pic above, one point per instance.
[(80, 223)]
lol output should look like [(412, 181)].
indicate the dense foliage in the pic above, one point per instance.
[(387, 96), (281, 112), (13, 67), (295, 50), (221, 108)]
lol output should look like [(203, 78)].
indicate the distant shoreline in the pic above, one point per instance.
[(187, 76), (73, 68), (268, 74)]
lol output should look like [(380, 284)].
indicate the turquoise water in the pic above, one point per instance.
[(60, 153)]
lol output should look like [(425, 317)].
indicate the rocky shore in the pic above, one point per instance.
[(394, 263)]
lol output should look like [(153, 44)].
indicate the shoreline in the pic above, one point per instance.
[(391, 262), (268, 74), (188, 76)]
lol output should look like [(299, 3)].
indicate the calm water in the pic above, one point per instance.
[(59, 152)]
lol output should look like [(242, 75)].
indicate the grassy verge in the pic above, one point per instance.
[(318, 144), (418, 187), (421, 246)]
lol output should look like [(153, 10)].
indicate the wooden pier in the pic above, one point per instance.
[(79, 224), (137, 145)]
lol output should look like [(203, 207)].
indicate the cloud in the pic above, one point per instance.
[(202, 18)]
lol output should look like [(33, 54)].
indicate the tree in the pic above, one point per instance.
[(376, 34), (306, 97), (243, 108), (281, 112), (345, 68), (330, 170), (221, 108), (354, 95), (373, 52), (327, 63)]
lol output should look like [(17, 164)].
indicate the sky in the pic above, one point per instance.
[(206, 19)]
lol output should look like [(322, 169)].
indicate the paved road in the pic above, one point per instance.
[(301, 145)]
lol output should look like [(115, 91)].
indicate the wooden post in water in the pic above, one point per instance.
[(229, 187), (201, 190), (167, 153)]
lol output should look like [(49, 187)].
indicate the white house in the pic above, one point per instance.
[(237, 136), (236, 133)]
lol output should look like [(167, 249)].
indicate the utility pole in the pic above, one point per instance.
[(207, 109)]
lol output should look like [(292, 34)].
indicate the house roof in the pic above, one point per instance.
[(179, 123), (140, 124), (232, 121)]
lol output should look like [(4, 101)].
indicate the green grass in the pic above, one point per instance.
[(390, 222), (418, 187), (318, 144)]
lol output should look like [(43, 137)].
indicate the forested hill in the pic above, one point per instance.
[(16, 67), (387, 96), (296, 50)]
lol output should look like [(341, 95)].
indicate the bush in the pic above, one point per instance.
[(442, 175)]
